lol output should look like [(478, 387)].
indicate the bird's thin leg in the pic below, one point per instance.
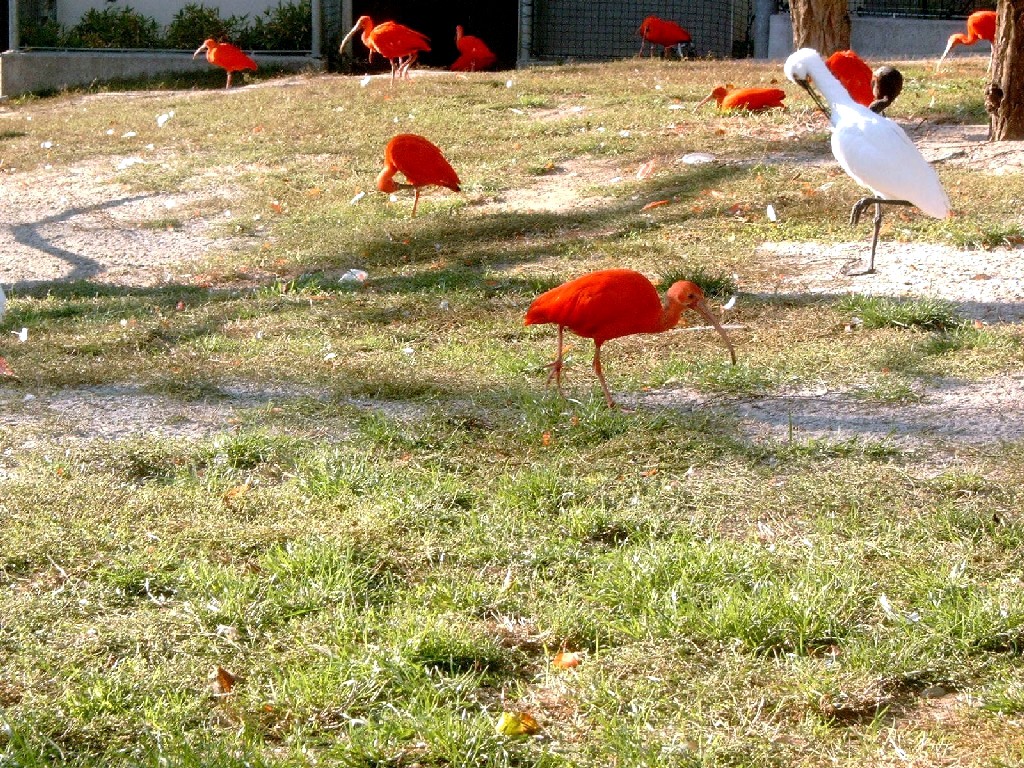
[(415, 202), (229, 80), (855, 213), (556, 366), (600, 376), (393, 66)]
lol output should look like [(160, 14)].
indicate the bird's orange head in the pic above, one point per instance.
[(718, 94), (208, 45), (386, 181), (687, 295)]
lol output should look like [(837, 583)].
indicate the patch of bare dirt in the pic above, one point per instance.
[(564, 187), (80, 223)]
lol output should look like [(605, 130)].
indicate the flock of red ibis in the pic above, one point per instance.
[(609, 304)]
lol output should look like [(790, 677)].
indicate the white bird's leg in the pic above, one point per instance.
[(600, 376), (858, 209)]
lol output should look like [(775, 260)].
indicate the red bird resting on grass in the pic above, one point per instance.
[(662, 32), (981, 25), (422, 164), (753, 99), (474, 54), (225, 55), (855, 75), (395, 42), (612, 303)]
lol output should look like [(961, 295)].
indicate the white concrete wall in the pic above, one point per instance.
[(70, 11), (879, 38), (28, 71)]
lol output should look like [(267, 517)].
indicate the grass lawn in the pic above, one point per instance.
[(386, 528)]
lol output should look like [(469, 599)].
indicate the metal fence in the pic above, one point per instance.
[(607, 29), (913, 9)]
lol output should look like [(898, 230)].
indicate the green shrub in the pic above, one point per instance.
[(42, 33), (114, 28), (286, 27), (196, 22)]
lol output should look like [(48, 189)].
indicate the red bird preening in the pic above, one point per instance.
[(981, 25), (612, 303), (855, 75), (422, 164), (753, 99), (225, 55), (397, 43), (474, 54), (657, 31)]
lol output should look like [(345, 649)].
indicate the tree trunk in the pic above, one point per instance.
[(1004, 97), (823, 25)]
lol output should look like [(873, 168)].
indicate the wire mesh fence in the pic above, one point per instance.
[(913, 9), (608, 29)]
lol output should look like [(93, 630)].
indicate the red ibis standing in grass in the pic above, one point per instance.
[(981, 25), (612, 303), (752, 99), (474, 54), (397, 43), (422, 164), (872, 149), (667, 34), (225, 55)]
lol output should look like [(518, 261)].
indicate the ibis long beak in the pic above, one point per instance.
[(702, 308), (707, 98), (356, 28), (815, 97), (199, 50)]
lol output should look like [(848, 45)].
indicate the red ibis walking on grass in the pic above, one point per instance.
[(981, 25), (872, 149), (420, 161), (612, 303), (752, 99), (667, 34), (225, 55), (474, 55), (397, 43)]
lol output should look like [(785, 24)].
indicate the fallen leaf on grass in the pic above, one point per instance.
[(235, 493), (655, 204), (566, 660), (5, 370), (517, 724), (646, 170), (222, 682)]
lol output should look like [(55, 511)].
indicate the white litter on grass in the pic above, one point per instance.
[(354, 276), (161, 120), (408, 351), (110, 131), (393, 198), (508, 83), (356, 198), (614, 179), (517, 111), (365, 81), (128, 162), (624, 134), (697, 158), (675, 106), (128, 134), (22, 335), (729, 304), (46, 144), (772, 216)]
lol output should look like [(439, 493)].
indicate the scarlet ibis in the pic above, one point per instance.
[(420, 161), (981, 25), (872, 149), (612, 303), (397, 43), (886, 85), (854, 73), (473, 53), (752, 99), (657, 31), (225, 55)]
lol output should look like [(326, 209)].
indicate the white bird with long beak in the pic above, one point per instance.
[(872, 149)]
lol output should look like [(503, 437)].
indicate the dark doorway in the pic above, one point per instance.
[(495, 22)]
